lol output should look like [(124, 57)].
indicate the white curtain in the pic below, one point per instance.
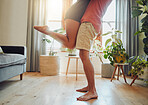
[(37, 15), (128, 25)]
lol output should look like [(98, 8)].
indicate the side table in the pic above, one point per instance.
[(73, 57)]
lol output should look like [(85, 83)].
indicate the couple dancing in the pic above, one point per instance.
[(83, 23)]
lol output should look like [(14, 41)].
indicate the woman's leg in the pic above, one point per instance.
[(68, 40)]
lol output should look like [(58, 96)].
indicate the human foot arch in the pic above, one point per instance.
[(43, 29), (88, 96), (85, 89)]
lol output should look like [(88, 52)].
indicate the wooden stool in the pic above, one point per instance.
[(119, 65), (73, 57)]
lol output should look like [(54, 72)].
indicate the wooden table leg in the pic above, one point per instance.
[(21, 76), (123, 73), (76, 67), (118, 72), (113, 73), (67, 66), (135, 77)]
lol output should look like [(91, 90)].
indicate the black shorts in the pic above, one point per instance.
[(77, 10)]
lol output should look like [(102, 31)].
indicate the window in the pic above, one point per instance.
[(54, 21), (108, 20), (55, 17)]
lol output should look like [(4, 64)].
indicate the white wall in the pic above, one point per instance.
[(13, 22)]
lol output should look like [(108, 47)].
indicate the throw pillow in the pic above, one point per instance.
[(1, 51)]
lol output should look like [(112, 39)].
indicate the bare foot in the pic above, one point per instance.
[(85, 89), (88, 96), (43, 29)]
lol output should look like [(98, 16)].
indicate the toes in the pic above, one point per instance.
[(80, 99)]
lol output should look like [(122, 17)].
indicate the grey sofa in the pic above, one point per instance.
[(12, 62)]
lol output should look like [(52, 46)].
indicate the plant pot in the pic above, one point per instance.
[(71, 54), (119, 58), (106, 70), (49, 65)]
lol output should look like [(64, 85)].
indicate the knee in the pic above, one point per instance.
[(71, 46), (84, 54)]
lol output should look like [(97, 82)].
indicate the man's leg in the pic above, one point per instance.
[(89, 72), (68, 40)]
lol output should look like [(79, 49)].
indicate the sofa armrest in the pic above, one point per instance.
[(14, 49)]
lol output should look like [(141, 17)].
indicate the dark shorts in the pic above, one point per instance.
[(76, 11)]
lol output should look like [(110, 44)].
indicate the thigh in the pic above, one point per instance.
[(72, 28)]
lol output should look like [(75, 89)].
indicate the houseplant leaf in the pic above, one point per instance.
[(139, 2), (117, 31), (107, 42), (137, 32), (107, 33), (114, 36), (136, 7), (136, 13)]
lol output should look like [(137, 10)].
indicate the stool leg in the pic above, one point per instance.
[(67, 66), (21, 76), (135, 77), (123, 73), (76, 67), (118, 72), (113, 73)]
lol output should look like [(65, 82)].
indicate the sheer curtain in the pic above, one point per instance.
[(37, 15), (128, 25), (66, 4)]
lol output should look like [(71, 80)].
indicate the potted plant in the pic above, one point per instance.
[(71, 52), (138, 64), (114, 50), (142, 10), (106, 68)]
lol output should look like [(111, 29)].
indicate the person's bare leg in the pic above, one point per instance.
[(89, 72), (67, 40)]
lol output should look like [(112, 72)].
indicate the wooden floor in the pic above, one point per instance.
[(36, 89)]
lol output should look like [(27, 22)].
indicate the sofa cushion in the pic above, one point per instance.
[(1, 51), (11, 59)]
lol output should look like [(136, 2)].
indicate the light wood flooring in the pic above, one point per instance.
[(36, 89)]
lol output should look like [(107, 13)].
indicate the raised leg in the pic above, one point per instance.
[(68, 40), (67, 66), (123, 73), (114, 73), (21, 76)]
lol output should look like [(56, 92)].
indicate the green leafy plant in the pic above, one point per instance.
[(142, 10), (138, 64), (114, 50), (72, 52)]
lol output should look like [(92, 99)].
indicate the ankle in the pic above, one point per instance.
[(93, 90)]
